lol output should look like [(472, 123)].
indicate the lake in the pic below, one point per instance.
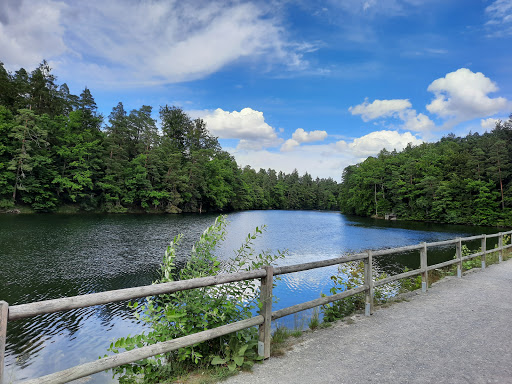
[(49, 256)]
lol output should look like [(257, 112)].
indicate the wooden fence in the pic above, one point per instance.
[(263, 320)]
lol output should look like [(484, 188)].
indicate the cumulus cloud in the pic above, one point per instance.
[(325, 160), (489, 124), (499, 15), (395, 108), (374, 142), (143, 42), (463, 95), (380, 108), (248, 126), (301, 136)]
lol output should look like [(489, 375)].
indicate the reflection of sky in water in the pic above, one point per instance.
[(65, 255)]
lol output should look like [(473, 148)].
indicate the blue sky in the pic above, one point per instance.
[(311, 85)]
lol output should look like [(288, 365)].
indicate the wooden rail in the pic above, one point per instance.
[(263, 320)]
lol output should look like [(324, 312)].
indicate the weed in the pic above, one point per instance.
[(314, 322)]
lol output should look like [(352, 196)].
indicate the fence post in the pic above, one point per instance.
[(423, 266), (500, 247), (458, 253), (484, 249), (368, 280), (4, 310), (267, 283)]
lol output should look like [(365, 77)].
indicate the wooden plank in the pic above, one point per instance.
[(390, 279), (500, 247), (315, 303), (49, 306), (4, 311), (264, 335), (483, 247), (442, 265), (142, 353), (458, 254), (444, 242), (472, 256), (318, 264), (424, 268), (390, 251), (472, 238), (368, 280)]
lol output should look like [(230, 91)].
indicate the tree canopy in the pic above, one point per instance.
[(57, 150), (461, 180)]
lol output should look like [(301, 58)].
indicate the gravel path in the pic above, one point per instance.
[(458, 332)]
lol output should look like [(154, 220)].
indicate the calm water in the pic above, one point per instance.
[(50, 256)]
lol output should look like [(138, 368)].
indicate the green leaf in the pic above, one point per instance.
[(242, 350), (231, 366), (218, 360), (239, 360)]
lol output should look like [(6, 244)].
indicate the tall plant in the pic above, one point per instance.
[(187, 312)]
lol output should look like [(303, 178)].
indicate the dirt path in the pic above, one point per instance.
[(458, 332)]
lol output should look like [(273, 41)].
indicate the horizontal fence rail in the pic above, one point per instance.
[(266, 274)]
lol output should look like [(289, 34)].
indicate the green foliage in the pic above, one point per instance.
[(460, 180), (351, 275), (187, 312), (314, 321), (55, 152), (410, 283)]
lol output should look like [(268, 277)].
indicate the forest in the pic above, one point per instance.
[(58, 153), (460, 180)]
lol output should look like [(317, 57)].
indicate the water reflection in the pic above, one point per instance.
[(50, 256)]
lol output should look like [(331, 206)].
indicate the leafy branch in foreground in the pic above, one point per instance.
[(187, 312)]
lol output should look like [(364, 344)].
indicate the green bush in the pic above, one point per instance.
[(187, 312)]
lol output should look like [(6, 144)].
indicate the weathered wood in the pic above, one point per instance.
[(267, 283), (442, 265), (28, 310), (49, 306), (315, 303), (390, 279), (444, 242), (368, 280), (424, 268), (142, 353), (483, 247), (318, 264), (472, 256), (458, 253), (500, 247), (4, 311), (390, 251)]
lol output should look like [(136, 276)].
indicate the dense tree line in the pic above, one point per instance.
[(463, 180), (57, 150)]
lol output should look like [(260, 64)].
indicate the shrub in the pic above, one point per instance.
[(187, 312)]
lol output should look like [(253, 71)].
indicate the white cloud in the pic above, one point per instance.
[(463, 95), (301, 136), (499, 15), (380, 108), (248, 126), (489, 124), (395, 108), (374, 142), (325, 160), (143, 42), (30, 32)]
